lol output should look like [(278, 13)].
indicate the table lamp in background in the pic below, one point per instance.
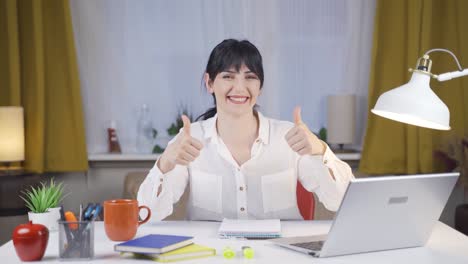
[(11, 137), (341, 120), (415, 103)]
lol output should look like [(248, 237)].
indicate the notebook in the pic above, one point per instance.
[(192, 251), (154, 244), (270, 228)]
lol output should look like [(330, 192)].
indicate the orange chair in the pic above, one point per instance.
[(305, 202)]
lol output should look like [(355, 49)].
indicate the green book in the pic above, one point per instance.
[(192, 251)]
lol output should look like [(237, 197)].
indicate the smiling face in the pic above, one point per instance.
[(235, 91)]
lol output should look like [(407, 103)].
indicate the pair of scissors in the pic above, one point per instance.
[(92, 212)]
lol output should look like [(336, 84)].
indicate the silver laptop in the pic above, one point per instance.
[(381, 213)]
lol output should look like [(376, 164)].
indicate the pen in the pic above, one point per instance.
[(97, 211), (65, 226), (81, 212), (94, 213), (87, 212), (68, 235)]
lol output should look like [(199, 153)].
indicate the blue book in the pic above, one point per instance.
[(156, 244)]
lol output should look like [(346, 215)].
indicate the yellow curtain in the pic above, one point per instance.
[(38, 70), (404, 31)]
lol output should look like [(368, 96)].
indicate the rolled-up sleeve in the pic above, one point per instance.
[(314, 174), (172, 185)]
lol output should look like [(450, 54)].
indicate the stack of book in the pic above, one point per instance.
[(165, 248)]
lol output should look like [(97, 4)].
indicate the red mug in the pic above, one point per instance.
[(121, 218)]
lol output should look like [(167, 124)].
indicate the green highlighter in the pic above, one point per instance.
[(248, 252), (228, 253)]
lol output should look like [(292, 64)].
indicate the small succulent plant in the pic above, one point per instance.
[(39, 199)]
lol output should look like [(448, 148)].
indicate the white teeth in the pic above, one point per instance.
[(238, 99)]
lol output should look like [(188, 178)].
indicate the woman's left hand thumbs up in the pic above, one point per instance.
[(301, 139)]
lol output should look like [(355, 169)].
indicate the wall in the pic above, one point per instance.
[(134, 52)]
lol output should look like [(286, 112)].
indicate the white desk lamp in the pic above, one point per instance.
[(415, 103)]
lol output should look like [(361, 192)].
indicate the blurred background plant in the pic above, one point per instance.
[(174, 128), (178, 124), (452, 156), (322, 134), (157, 148)]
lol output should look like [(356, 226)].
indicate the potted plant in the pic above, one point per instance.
[(453, 156), (43, 202)]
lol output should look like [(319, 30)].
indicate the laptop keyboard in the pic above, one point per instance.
[(315, 245)]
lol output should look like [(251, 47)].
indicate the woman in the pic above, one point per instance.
[(239, 163)]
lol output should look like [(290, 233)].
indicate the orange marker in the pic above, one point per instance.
[(70, 217)]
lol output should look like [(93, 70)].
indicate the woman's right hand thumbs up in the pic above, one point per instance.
[(182, 151), (186, 126)]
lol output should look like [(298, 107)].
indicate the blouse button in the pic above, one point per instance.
[(242, 209), (161, 179), (241, 188)]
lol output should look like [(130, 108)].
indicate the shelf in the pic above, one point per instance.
[(122, 157), (349, 156), (152, 157)]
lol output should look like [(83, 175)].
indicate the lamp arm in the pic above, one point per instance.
[(451, 75), (449, 52), (445, 76)]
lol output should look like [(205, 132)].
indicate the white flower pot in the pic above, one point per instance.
[(55, 216), (45, 219)]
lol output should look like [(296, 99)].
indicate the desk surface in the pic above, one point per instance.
[(446, 245)]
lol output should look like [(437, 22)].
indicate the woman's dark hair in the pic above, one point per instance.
[(232, 53)]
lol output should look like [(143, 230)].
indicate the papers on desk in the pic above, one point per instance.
[(270, 228)]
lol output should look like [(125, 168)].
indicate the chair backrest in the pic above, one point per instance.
[(132, 183), (305, 202)]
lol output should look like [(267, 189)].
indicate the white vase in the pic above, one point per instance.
[(55, 216), (45, 219)]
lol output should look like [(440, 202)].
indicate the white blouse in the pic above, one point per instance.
[(263, 187)]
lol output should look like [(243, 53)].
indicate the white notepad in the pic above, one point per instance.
[(270, 228)]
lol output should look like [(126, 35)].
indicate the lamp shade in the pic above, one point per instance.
[(341, 110), (414, 103), (11, 134)]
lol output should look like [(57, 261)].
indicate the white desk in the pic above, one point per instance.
[(445, 246)]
